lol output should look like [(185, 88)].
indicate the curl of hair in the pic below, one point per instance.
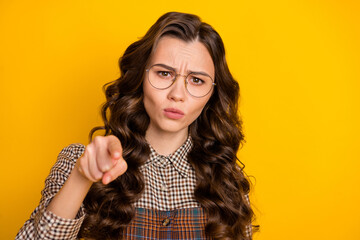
[(217, 134)]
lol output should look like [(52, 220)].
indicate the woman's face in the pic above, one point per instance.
[(172, 110)]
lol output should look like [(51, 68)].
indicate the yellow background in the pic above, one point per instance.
[(297, 63)]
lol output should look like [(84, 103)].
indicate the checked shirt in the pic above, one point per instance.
[(167, 208)]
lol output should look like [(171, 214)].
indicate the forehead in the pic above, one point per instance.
[(183, 56)]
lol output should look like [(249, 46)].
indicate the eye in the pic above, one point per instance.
[(196, 81), (164, 74)]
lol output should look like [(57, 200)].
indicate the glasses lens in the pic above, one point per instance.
[(199, 85), (161, 77)]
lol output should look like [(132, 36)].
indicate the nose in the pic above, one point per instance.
[(177, 91)]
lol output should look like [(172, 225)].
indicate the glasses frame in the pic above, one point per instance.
[(175, 78)]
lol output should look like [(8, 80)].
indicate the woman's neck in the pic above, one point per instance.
[(165, 143)]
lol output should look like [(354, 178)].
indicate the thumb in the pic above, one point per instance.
[(118, 169)]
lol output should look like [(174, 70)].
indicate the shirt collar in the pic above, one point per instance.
[(178, 159)]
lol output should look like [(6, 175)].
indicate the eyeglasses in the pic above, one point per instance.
[(198, 84)]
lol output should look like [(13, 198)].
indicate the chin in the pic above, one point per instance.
[(172, 127)]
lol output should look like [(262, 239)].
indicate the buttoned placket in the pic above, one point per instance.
[(163, 174), (164, 164)]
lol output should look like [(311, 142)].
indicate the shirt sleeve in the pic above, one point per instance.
[(44, 224), (248, 229)]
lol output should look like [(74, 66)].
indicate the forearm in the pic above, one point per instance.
[(46, 225), (67, 202)]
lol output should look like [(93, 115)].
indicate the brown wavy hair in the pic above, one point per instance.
[(221, 188)]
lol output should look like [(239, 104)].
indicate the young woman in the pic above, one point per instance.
[(166, 167)]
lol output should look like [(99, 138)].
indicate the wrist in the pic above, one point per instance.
[(77, 176)]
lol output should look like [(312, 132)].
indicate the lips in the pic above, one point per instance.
[(173, 113)]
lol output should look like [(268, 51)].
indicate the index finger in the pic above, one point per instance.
[(114, 147)]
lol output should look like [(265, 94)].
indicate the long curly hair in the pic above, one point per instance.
[(221, 187)]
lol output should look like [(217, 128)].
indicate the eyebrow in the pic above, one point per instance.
[(188, 72)]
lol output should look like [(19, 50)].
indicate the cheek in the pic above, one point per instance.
[(197, 109), (152, 99), (147, 102)]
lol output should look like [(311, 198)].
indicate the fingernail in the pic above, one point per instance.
[(116, 154)]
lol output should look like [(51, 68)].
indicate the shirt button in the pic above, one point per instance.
[(166, 222), (164, 187), (45, 227)]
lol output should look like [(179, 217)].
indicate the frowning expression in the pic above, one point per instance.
[(173, 109)]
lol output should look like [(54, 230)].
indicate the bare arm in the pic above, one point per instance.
[(68, 200)]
